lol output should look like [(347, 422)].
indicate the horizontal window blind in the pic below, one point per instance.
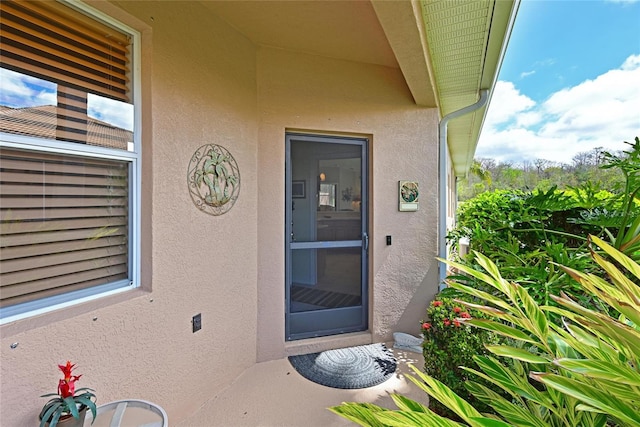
[(63, 224), (51, 41), (81, 56)]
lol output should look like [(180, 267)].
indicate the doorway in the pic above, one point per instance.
[(326, 236)]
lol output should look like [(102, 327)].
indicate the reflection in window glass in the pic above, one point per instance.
[(69, 201), (36, 107)]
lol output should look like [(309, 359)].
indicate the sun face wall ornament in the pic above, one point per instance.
[(213, 179), (408, 196)]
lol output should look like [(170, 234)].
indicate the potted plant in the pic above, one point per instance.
[(69, 406)]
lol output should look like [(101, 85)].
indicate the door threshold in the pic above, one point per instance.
[(314, 345)]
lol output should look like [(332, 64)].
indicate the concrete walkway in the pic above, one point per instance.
[(273, 394)]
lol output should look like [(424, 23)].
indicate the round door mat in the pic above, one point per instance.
[(347, 368)]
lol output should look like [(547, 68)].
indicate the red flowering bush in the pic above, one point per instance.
[(450, 344), (68, 402)]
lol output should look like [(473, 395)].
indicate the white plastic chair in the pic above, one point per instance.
[(128, 413)]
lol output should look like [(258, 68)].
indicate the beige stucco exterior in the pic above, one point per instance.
[(205, 82), (314, 94)]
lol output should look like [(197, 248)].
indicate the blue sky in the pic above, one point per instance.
[(569, 82), (19, 90)]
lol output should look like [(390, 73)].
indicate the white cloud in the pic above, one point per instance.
[(631, 62), (116, 113), (19, 90), (602, 112), (527, 74), (506, 104), (622, 1)]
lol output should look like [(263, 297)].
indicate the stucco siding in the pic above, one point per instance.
[(206, 83), (203, 90), (313, 94)]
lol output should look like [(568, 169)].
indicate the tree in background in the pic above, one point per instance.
[(489, 175), (529, 233)]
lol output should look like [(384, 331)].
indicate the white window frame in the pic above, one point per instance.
[(134, 158)]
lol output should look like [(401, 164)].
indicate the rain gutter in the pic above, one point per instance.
[(442, 187)]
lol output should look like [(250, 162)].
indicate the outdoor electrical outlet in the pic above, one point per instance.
[(388, 240), (197, 322)]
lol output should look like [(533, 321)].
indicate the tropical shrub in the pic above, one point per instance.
[(449, 344), (584, 372), (627, 238), (527, 234)]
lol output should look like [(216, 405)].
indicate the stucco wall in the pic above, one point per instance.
[(205, 83), (202, 90), (320, 95)]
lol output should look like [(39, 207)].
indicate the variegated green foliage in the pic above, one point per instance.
[(584, 373), (628, 237)]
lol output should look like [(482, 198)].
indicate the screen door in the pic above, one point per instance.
[(326, 236)]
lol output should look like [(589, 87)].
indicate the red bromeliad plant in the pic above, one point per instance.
[(450, 344), (68, 402)]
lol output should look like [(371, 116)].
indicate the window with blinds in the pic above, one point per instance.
[(76, 71), (64, 224), (68, 161)]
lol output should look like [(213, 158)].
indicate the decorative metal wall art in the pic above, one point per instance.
[(213, 179)]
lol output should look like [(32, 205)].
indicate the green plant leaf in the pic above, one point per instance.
[(474, 273), (510, 380), (623, 259), (363, 414), (494, 312), (489, 422), (414, 419), (501, 329), (443, 394), (55, 418), (533, 312), (515, 413), (498, 282), (608, 329), (405, 404), (89, 404), (591, 396), (50, 394), (49, 410), (480, 294), (619, 373), (516, 353)]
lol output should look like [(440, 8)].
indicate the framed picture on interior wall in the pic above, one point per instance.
[(298, 189)]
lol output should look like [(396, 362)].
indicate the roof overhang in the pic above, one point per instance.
[(466, 63), (455, 47), (448, 51)]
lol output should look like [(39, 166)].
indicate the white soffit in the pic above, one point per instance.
[(447, 50), (466, 41)]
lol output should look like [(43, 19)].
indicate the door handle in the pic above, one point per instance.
[(365, 241)]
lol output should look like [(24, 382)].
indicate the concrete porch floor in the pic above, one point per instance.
[(273, 394)]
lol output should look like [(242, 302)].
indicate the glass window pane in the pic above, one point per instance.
[(36, 107), (64, 224)]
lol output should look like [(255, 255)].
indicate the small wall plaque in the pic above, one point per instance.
[(213, 179), (408, 196)]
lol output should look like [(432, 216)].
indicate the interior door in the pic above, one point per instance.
[(326, 236)]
